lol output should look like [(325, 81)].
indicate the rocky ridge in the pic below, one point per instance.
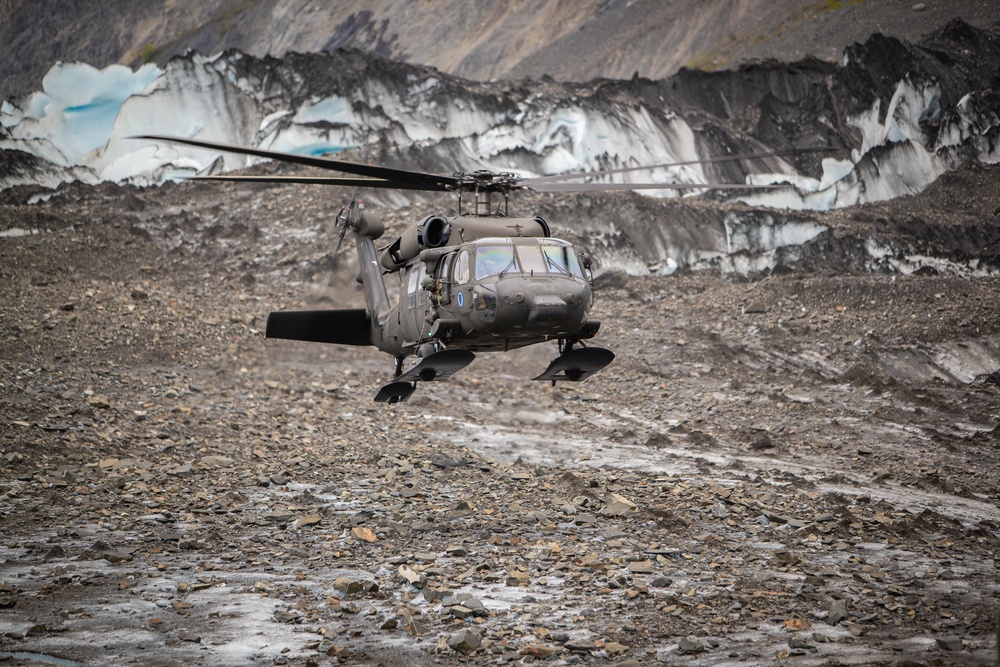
[(482, 41)]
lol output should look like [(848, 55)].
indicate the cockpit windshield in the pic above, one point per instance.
[(549, 256), (494, 259), (560, 258)]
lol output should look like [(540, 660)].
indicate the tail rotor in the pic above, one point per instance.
[(346, 219)]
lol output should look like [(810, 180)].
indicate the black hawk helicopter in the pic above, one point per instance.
[(481, 281)]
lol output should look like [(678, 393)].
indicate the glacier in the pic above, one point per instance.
[(81, 123), (896, 128)]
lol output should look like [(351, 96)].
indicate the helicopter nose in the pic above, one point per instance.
[(546, 309)]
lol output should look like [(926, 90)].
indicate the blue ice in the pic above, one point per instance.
[(79, 103)]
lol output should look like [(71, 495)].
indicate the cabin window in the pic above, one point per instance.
[(462, 268), (494, 259), (561, 259), (531, 258)]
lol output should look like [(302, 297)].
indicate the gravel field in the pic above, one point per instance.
[(796, 468)]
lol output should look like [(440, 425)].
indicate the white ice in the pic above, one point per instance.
[(760, 232)]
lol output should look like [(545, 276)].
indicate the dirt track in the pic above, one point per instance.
[(795, 469)]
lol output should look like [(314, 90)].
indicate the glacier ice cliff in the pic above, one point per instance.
[(897, 116), (901, 114)]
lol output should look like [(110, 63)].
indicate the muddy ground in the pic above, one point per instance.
[(800, 468)]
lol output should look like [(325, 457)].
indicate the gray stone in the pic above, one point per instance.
[(460, 611), (580, 645), (116, 556), (837, 611), (354, 585), (448, 460), (415, 627), (641, 567), (685, 645), (414, 578), (951, 643), (617, 508), (540, 650), (433, 595), (464, 641)]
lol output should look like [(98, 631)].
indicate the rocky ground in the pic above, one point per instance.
[(799, 468)]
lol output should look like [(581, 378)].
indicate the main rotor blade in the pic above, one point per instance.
[(426, 181), (720, 158), (601, 187), (326, 180)]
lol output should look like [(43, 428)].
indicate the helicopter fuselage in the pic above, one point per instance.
[(491, 294), (463, 288)]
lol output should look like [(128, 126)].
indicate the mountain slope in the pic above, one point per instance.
[(573, 41)]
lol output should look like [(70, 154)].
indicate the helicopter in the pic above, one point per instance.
[(479, 281)]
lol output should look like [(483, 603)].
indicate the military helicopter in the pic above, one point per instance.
[(481, 281)]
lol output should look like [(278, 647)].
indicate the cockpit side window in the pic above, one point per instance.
[(461, 273), (444, 276), (561, 259), (414, 290), (494, 259)]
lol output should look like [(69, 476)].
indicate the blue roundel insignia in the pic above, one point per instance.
[(461, 299)]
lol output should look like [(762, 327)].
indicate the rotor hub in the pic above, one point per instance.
[(483, 184), (486, 181)]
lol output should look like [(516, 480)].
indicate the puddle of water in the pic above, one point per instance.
[(45, 659)]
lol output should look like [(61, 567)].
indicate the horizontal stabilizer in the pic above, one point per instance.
[(578, 364), (439, 365), (350, 326)]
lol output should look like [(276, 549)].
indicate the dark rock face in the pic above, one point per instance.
[(21, 168), (730, 94), (483, 41), (955, 61), (808, 102)]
